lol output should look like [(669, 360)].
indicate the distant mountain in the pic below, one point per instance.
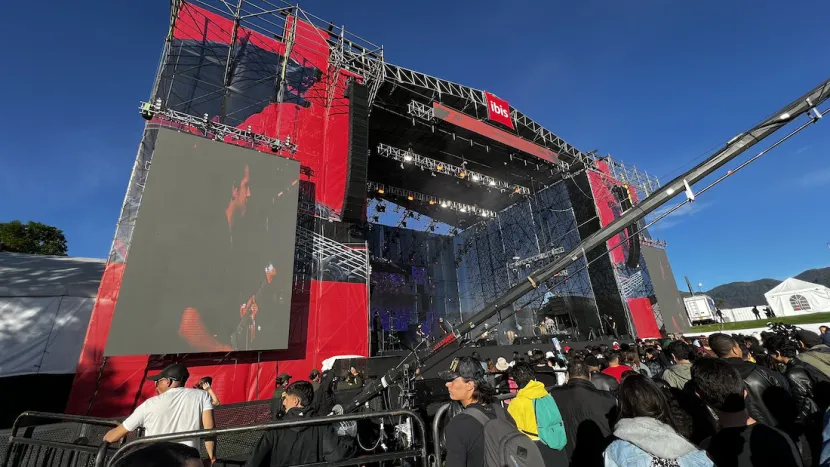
[(738, 294)]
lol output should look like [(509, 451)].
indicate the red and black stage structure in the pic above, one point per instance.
[(271, 88)]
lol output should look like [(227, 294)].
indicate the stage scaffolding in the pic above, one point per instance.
[(535, 225)]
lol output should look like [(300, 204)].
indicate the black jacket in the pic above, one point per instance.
[(300, 445), (770, 400), (604, 382), (588, 414)]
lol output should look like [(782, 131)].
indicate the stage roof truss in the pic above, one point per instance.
[(366, 61), (382, 189), (408, 157)]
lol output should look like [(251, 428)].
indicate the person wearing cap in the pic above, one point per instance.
[(176, 409), (464, 434), (276, 399), (283, 447)]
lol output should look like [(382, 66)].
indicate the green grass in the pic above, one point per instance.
[(815, 318)]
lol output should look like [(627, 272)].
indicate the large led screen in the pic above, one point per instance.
[(212, 253), (665, 290)]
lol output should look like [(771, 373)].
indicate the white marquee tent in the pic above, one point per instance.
[(796, 297), (45, 305)]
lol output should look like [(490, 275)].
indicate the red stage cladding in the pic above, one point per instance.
[(330, 318), (608, 209), (642, 313), (319, 330)]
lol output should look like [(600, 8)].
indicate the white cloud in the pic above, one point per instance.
[(679, 216), (814, 179)]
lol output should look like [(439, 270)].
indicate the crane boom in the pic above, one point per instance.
[(737, 145)]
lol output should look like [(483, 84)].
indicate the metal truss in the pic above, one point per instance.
[(426, 113), (219, 131), (630, 284), (641, 180), (435, 166), (329, 253), (652, 242), (535, 259), (432, 200)]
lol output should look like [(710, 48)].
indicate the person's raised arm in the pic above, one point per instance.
[(214, 399), (210, 443)]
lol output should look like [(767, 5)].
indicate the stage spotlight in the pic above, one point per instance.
[(381, 208), (402, 166), (462, 174), (463, 209), (476, 178), (432, 201), (381, 191), (407, 158), (410, 198), (439, 167), (492, 183), (275, 146)]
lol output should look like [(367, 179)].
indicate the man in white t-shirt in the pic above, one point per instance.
[(176, 409)]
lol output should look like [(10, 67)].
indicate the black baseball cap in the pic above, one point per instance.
[(176, 371), (464, 367)]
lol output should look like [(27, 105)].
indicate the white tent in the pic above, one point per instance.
[(796, 297), (45, 305)]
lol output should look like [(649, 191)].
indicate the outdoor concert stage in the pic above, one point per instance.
[(305, 183)]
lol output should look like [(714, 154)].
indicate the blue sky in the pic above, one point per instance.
[(654, 83)]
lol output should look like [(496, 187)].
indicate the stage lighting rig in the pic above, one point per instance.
[(217, 131), (430, 200), (425, 163)]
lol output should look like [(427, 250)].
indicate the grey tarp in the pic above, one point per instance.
[(45, 305)]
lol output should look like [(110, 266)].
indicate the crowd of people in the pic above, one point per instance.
[(725, 400)]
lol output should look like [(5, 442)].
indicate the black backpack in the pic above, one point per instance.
[(504, 444)]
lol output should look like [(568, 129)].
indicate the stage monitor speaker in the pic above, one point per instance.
[(354, 203)]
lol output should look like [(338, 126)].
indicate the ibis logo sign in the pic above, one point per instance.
[(498, 110)]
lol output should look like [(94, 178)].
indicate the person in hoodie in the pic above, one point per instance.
[(644, 434), (283, 447), (679, 374), (741, 441), (523, 411)]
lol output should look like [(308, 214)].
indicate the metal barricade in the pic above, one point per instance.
[(358, 460), (58, 443)]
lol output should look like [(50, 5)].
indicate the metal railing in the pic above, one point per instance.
[(25, 450), (357, 460)]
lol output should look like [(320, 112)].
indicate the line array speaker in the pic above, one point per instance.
[(355, 194), (624, 197)]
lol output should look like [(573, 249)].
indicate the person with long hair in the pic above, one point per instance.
[(645, 433)]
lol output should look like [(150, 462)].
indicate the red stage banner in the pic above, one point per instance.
[(457, 118), (498, 110)]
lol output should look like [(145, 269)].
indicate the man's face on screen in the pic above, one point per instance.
[(239, 196)]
